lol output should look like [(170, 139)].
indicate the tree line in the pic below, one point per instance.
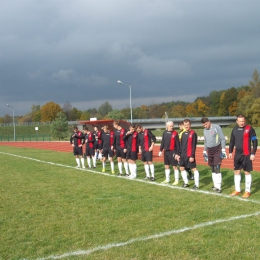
[(233, 101)]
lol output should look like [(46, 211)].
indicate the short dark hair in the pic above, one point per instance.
[(180, 123), (240, 116), (75, 128), (186, 121), (204, 120), (85, 128)]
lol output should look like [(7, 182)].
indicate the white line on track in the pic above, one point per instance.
[(154, 236)]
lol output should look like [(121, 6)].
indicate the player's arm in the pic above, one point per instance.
[(254, 141)]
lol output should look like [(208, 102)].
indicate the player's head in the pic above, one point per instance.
[(169, 126), (205, 122), (95, 128), (139, 128), (116, 124), (75, 129), (106, 128), (241, 120), (132, 128), (85, 129), (187, 124), (180, 125)]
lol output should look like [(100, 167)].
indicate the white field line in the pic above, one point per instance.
[(136, 180), (141, 239), (154, 236)]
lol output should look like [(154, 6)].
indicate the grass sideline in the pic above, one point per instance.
[(49, 208)]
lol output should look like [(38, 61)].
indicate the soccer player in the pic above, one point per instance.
[(170, 144), (243, 137), (132, 145), (90, 149), (182, 130), (146, 143), (97, 145), (187, 154), (214, 150), (107, 148), (120, 148), (77, 142)]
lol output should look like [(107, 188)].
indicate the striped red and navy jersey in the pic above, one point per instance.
[(188, 143), (90, 139), (132, 141), (146, 138), (98, 136), (242, 138), (77, 139), (119, 138), (170, 141), (107, 140)]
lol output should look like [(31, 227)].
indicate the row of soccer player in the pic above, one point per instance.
[(179, 151)]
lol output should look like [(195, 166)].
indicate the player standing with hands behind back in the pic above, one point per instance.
[(241, 137)]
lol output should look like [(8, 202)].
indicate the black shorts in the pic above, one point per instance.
[(184, 162), (243, 162), (120, 153), (107, 152), (131, 155), (169, 159), (90, 151), (147, 156), (77, 151), (214, 156)]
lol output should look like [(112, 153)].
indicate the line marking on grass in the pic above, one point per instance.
[(142, 239), (136, 180)]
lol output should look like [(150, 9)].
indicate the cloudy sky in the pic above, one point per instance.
[(76, 50)]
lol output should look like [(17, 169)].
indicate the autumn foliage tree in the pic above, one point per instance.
[(49, 111)]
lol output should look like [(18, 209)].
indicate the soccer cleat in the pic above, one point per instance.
[(94, 166), (146, 178), (152, 179), (165, 182), (246, 194), (84, 167), (213, 188), (218, 190), (195, 187), (113, 172), (234, 193), (78, 166), (127, 175), (191, 177), (185, 185), (175, 183), (104, 169), (120, 174)]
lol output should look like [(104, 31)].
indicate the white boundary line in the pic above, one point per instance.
[(136, 180), (159, 235), (141, 239)]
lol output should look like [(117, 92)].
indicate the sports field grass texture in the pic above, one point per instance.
[(51, 210)]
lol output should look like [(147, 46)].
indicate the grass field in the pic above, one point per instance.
[(51, 210)]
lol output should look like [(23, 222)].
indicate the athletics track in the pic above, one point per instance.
[(65, 147)]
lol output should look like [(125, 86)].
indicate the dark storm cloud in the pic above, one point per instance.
[(167, 50)]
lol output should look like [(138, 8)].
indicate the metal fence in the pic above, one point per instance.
[(26, 138)]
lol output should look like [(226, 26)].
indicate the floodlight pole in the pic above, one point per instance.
[(131, 112), (13, 120)]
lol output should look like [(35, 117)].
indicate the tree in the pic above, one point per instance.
[(67, 109), (49, 111), (60, 126), (7, 119), (1, 120), (85, 115), (75, 114), (203, 109), (36, 113), (104, 109), (255, 84), (115, 114)]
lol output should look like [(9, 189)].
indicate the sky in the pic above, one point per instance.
[(163, 50)]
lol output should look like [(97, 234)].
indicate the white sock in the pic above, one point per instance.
[(176, 175), (134, 173), (214, 179), (146, 168), (196, 178), (218, 180), (112, 166), (89, 162), (167, 174), (94, 161), (104, 164), (126, 168), (120, 167), (184, 177), (130, 166), (82, 162), (248, 180), (237, 180), (152, 170), (78, 163)]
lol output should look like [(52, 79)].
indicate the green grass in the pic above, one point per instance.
[(49, 209)]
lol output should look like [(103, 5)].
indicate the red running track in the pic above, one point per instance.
[(66, 147)]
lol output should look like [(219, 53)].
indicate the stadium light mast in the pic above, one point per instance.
[(13, 120), (131, 112)]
